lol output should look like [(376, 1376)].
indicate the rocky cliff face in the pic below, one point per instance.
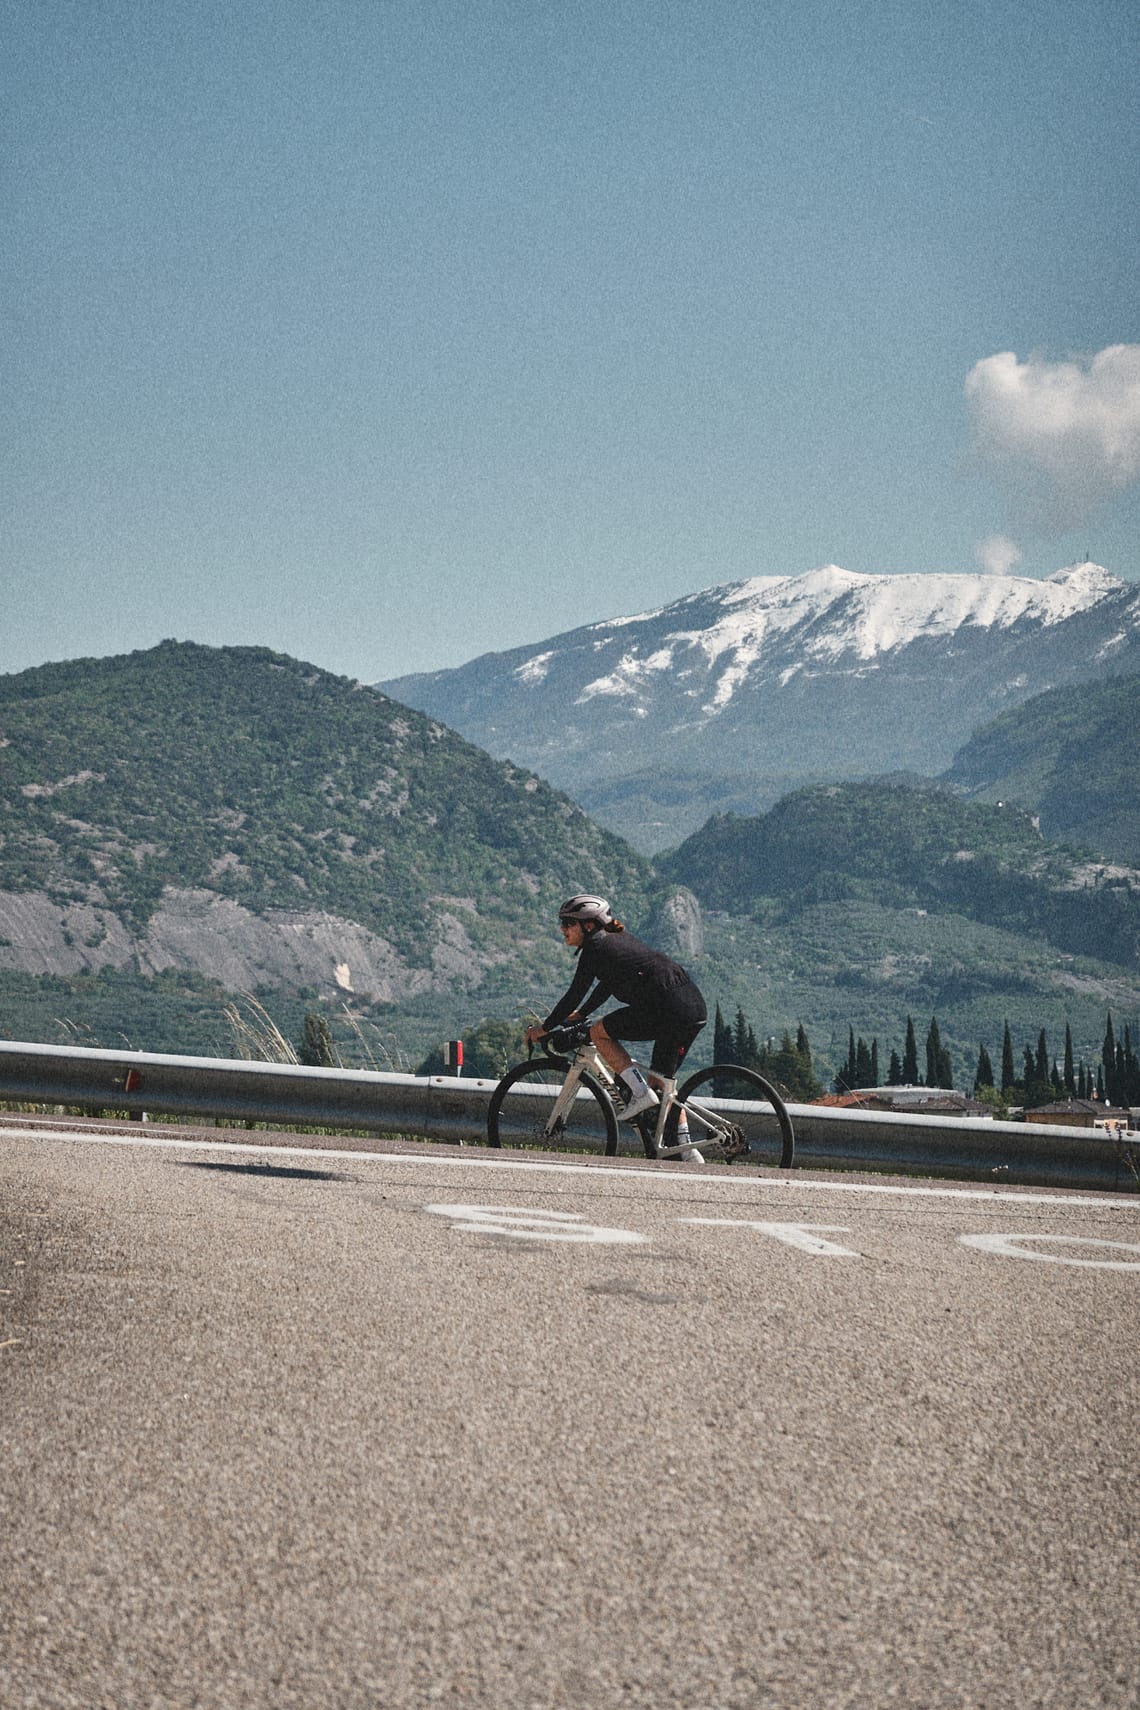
[(196, 929), (679, 927)]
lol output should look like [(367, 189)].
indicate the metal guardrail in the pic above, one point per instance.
[(971, 1148), (454, 1109), (436, 1107)]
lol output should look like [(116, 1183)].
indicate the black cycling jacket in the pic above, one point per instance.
[(618, 965)]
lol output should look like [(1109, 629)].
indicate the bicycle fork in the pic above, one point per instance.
[(556, 1122)]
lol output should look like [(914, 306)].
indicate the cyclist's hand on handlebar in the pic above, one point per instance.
[(534, 1034)]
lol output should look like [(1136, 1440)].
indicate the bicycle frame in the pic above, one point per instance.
[(715, 1131), (704, 1127)]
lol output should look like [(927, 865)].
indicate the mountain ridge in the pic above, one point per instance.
[(187, 821), (833, 672)]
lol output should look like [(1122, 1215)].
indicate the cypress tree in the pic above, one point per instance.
[(863, 1065), (1038, 1087), (1008, 1072), (874, 1062), (787, 1067), (722, 1039), (933, 1055), (1070, 1083), (910, 1057), (895, 1072), (1130, 1091), (1108, 1061), (984, 1073), (1041, 1062), (803, 1052)]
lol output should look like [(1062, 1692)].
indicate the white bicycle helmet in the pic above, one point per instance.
[(583, 908)]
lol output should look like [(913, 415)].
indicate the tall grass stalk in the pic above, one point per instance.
[(255, 1035)]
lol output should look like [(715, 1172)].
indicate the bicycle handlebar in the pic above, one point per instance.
[(565, 1039)]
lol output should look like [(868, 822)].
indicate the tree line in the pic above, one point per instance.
[(1041, 1077), (1044, 1079), (862, 1067), (790, 1068), (787, 1065)]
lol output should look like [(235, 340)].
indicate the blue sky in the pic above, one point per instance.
[(385, 333)]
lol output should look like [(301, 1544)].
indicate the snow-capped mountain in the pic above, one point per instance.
[(729, 696)]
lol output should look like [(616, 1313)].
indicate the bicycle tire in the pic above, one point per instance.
[(762, 1116), (517, 1118)]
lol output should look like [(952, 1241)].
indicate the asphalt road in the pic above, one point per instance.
[(364, 1429)]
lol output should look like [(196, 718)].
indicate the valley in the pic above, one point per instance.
[(187, 830)]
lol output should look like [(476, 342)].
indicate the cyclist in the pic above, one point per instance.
[(659, 1000)]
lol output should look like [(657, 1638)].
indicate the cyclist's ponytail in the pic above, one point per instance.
[(613, 926)]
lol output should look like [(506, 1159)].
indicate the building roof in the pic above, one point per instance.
[(1069, 1107), (920, 1101)]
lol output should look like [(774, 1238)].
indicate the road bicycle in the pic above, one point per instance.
[(565, 1097)]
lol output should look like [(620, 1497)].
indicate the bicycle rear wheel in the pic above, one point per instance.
[(522, 1106), (738, 1104)]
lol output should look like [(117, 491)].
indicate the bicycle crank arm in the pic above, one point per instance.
[(731, 1148)]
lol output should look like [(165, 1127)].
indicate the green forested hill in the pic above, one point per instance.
[(858, 905), (1070, 756), (272, 783), (913, 848)]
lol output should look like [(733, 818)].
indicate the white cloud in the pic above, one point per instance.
[(1064, 436), (997, 554)]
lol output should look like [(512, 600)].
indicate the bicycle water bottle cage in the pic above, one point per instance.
[(565, 1039)]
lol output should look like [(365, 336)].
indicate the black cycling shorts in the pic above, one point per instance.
[(671, 1027)]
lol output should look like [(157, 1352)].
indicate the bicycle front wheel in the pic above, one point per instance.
[(728, 1102), (522, 1111)]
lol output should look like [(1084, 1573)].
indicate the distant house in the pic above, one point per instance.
[(909, 1101), (1069, 1113)]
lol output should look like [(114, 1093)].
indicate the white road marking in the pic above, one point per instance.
[(803, 1236), (439, 1160), (532, 1225), (1012, 1247)]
